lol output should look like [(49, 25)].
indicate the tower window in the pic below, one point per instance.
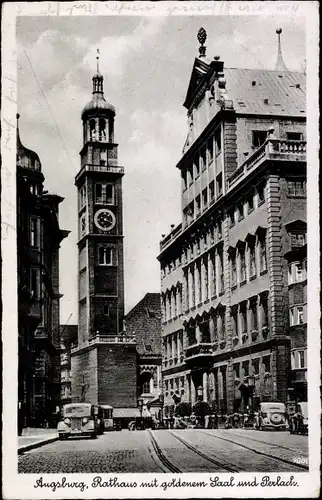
[(103, 157), (92, 127), (102, 129), (110, 194), (105, 256), (98, 193)]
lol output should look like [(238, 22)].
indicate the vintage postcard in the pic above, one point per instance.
[(160, 250)]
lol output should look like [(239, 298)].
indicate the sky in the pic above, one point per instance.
[(146, 63)]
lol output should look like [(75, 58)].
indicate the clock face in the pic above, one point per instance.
[(104, 219)]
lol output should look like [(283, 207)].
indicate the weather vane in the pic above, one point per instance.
[(97, 57), (202, 37)]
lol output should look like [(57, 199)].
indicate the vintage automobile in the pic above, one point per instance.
[(79, 419), (270, 416), (299, 421)]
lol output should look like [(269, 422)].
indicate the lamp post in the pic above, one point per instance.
[(200, 393), (161, 399), (251, 385), (140, 405)]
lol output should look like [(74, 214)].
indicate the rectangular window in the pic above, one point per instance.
[(205, 197), (253, 308), (233, 270), (203, 160), (242, 263), (190, 174), (252, 262), (211, 190), (35, 283), (103, 157), (259, 137), (235, 321), (260, 194), (250, 202), (298, 240), (262, 256), (218, 142), (243, 318), (264, 302), (198, 205), (294, 136), (296, 188), (196, 166), (110, 194), (296, 315), (219, 184), (210, 151), (240, 209), (105, 256), (221, 271), (34, 236), (184, 179)]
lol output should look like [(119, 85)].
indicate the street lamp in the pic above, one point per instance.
[(251, 385), (200, 393), (161, 399), (140, 405)]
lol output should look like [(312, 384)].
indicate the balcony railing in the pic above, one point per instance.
[(201, 350), (107, 339), (272, 149), (171, 236)]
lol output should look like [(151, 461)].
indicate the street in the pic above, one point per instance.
[(190, 450)]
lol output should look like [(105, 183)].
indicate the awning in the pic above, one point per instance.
[(126, 412)]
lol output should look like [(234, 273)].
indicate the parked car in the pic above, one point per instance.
[(270, 416), (299, 421)]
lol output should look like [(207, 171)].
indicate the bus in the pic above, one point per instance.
[(79, 419), (107, 412)]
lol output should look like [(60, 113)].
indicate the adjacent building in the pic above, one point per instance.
[(144, 323), (68, 337), (233, 272), (104, 361), (38, 241)]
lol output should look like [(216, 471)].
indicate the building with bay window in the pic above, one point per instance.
[(233, 272), (38, 241)]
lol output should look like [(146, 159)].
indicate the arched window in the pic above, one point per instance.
[(105, 256), (102, 129), (92, 126), (110, 194), (145, 384), (98, 193)]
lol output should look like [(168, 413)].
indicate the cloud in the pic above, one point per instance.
[(116, 50)]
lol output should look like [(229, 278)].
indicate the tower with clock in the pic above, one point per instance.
[(103, 363)]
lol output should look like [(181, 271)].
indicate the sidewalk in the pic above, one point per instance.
[(33, 438)]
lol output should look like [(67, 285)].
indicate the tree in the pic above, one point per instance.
[(183, 409), (201, 409)]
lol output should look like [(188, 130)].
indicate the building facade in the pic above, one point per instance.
[(38, 241), (68, 336), (233, 272), (144, 323), (104, 361)]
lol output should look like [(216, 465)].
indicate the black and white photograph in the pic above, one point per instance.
[(160, 250)]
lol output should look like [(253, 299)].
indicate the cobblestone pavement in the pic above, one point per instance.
[(235, 449)]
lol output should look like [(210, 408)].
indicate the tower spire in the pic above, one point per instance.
[(97, 78), (98, 58), (280, 64)]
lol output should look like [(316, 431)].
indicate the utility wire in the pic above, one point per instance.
[(56, 124)]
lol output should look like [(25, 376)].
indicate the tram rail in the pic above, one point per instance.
[(273, 457)]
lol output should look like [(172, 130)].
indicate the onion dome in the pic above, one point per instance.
[(25, 157), (98, 104)]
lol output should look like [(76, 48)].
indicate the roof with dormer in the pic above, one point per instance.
[(266, 92)]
